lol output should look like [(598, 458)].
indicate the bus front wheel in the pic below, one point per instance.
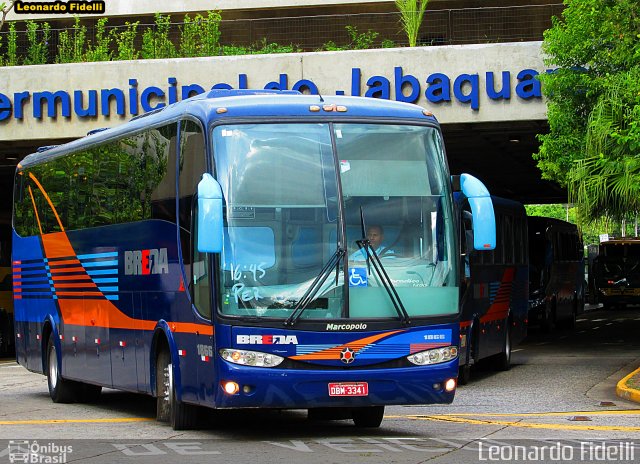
[(182, 416), (369, 417), (60, 390)]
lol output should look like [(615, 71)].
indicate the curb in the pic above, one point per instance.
[(628, 393)]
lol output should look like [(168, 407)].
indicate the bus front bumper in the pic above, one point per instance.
[(302, 389)]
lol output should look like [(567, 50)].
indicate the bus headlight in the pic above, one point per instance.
[(434, 356), (250, 358)]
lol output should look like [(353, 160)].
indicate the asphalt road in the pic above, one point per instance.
[(552, 406)]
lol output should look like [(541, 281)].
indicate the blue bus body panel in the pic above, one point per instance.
[(316, 362)]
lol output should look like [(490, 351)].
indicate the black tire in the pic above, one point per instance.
[(180, 415), (502, 361), (464, 374), (60, 390), (369, 417)]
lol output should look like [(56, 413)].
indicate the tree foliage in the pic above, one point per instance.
[(594, 47), (411, 16), (593, 106)]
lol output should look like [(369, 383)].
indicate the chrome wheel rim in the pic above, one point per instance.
[(53, 368)]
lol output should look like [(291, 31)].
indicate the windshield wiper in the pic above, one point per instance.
[(315, 286), (373, 258)]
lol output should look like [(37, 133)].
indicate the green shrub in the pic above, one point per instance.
[(361, 40), (101, 49), (126, 42), (155, 40), (38, 50), (72, 43), (12, 46), (211, 33)]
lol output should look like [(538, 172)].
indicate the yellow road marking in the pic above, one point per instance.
[(530, 425), (76, 421), (467, 419), (617, 412)]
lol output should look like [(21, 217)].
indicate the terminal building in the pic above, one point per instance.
[(474, 67)]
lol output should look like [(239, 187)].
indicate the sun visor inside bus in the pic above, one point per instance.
[(371, 178)]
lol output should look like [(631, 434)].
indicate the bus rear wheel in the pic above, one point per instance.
[(180, 415), (60, 390), (502, 361), (369, 417)]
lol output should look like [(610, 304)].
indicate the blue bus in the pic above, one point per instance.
[(557, 284), (6, 298), (215, 253), (495, 287)]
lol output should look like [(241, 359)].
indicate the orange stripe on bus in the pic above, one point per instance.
[(67, 262), (103, 313), (57, 245), (59, 278), (77, 285), (53, 208), (67, 270), (334, 353), (189, 327), (80, 294), (35, 209)]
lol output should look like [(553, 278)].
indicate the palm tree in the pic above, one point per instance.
[(411, 15), (606, 182)]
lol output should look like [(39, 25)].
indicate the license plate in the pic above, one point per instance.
[(349, 389)]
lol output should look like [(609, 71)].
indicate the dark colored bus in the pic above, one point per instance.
[(617, 272), (7, 345), (556, 273), (495, 288), (216, 253)]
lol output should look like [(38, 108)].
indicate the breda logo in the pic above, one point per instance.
[(267, 340), (146, 262)]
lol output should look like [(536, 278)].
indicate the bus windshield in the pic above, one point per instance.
[(297, 194)]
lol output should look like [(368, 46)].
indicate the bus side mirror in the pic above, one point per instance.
[(484, 218), (210, 224)]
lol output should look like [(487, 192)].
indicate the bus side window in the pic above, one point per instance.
[(191, 166)]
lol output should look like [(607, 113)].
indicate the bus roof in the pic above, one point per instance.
[(232, 104)]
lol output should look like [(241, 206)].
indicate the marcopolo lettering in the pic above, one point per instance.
[(436, 88), (146, 262), (361, 326)]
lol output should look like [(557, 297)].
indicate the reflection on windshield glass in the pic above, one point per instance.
[(283, 223)]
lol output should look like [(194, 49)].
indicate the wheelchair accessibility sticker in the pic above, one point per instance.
[(357, 277)]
